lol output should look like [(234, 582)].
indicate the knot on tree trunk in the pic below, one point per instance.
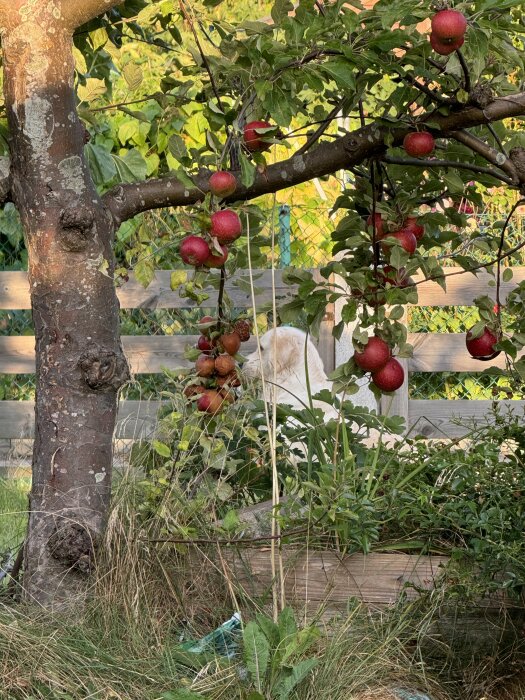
[(73, 545), (102, 369), (481, 95), (517, 156), (76, 228)]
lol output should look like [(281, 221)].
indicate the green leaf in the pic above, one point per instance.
[(297, 675), (133, 75), (132, 166), (93, 88), (342, 71), (248, 170), (177, 147), (161, 449), (101, 164), (280, 10), (507, 274), (256, 653), (177, 278)]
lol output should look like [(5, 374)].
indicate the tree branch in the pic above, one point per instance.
[(491, 154), (78, 12), (127, 200), (422, 163)]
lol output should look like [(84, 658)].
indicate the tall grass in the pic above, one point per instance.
[(13, 512)]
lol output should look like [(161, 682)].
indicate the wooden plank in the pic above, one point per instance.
[(463, 289), (146, 354), (14, 291), (136, 419), (331, 578), (437, 419), (446, 352)]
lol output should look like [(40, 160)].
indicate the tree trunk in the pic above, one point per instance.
[(79, 360)]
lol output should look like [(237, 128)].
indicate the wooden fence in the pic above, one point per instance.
[(149, 354)]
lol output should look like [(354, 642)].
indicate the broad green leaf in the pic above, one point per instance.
[(132, 167), (101, 164), (93, 88), (296, 676), (161, 449), (133, 75), (256, 653)]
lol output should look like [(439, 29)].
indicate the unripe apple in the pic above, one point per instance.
[(210, 402), (252, 140), (222, 183), (390, 377), (448, 25), (226, 226), (216, 260), (482, 348), (419, 143), (411, 225), (445, 49), (374, 355), (205, 366), (231, 342), (224, 365), (194, 250), (406, 239)]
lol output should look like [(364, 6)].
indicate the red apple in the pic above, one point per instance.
[(379, 224), (224, 365), (231, 342), (406, 239), (374, 355), (445, 49), (204, 345), (205, 366), (252, 140), (194, 250), (216, 260), (411, 225), (222, 183), (226, 226), (193, 390), (210, 401), (448, 25), (419, 143), (390, 377), (482, 348)]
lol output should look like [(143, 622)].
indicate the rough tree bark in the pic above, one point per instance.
[(69, 235)]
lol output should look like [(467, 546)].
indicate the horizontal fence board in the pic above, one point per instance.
[(146, 354), (463, 289), (446, 352), (330, 578), (14, 291), (136, 419), (437, 419), (433, 352)]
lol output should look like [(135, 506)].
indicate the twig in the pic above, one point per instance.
[(202, 55), (500, 250), (422, 163), (464, 68), (422, 87), (322, 128)]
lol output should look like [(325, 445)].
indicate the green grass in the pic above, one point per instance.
[(13, 512)]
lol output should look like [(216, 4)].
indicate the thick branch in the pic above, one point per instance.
[(491, 154), (78, 12), (125, 201)]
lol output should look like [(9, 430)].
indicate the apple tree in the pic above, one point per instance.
[(431, 112)]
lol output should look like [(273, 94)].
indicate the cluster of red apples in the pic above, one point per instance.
[(225, 224), (407, 235), (376, 357), (216, 368)]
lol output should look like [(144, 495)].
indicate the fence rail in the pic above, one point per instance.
[(433, 352)]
